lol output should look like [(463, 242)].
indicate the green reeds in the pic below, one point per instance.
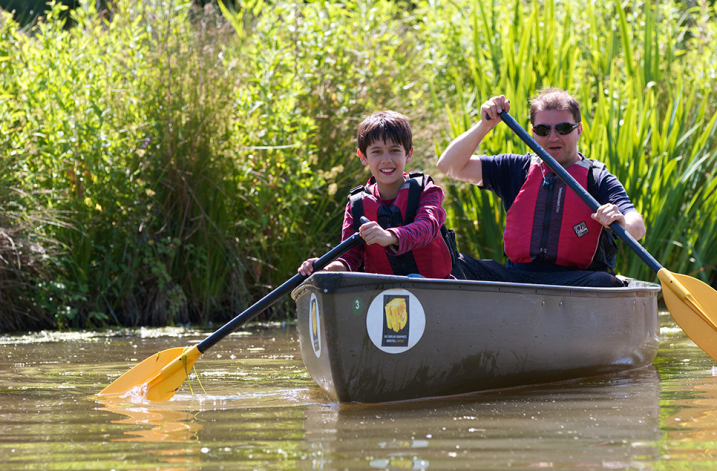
[(172, 163), (652, 127)]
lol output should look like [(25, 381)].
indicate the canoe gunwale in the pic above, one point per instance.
[(347, 282)]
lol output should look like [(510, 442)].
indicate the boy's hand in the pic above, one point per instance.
[(372, 233), (307, 268)]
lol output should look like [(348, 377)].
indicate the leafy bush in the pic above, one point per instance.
[(165, 163)]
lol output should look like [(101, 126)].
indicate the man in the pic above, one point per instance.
[(551, 236)]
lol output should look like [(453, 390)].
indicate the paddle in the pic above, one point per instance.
[(158, 377), (692, 303)]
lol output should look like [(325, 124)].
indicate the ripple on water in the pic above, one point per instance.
[(136, 395)]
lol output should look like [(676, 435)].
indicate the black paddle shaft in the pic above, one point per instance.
[(577, 188), (271, 298)]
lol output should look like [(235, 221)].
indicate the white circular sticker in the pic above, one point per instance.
[(395, 321), (315, 324)]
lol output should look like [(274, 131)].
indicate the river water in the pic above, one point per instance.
[(257, 408)]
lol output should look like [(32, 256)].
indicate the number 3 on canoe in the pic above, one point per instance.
[(158, 377), (692, 303)]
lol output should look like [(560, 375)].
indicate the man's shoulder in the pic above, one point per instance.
[(608, 187), (600, 171), (596, 165)]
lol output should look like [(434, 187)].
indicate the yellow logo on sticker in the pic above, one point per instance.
[(396, 314)]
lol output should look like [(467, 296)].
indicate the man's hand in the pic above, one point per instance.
[(607, 214), (458, 161), (372, 233), (490, 109), (632, 222)]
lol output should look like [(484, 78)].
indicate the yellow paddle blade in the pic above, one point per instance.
[(162, 374), (141, 373), (165, 383), (693, 305)]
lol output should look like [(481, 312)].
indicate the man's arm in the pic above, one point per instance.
[(458, 161), (615, 205), (635, 225)]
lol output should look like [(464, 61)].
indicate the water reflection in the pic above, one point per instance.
[(697, 416), (168, 422), (584, 424), (164, 422)]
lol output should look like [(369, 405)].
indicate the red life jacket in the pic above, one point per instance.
[(432, 261), (549, 222)]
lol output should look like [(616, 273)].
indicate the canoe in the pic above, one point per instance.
[(378, 338)]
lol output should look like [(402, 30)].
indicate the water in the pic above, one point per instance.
[(261, 410)]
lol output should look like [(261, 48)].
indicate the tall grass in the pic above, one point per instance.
[(166, 164), (643, 115)]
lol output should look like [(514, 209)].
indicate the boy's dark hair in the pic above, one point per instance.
[(551, 98), (385, 125)]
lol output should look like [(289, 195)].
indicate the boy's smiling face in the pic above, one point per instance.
[(387, 161)]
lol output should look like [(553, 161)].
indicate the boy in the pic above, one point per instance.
[(404, 235)]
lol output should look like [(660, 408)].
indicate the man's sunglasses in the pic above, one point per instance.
[(563, 129)]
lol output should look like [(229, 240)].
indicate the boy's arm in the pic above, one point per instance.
[(307, 268), (426, 226)]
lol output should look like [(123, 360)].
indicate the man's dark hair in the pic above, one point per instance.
[(551, 98), (385, 125)]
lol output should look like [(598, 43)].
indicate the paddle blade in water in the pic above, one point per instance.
[(165, 383), (163, 374), (693, 305), (142, 373)]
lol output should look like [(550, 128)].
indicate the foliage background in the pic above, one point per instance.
[(165, 162)]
